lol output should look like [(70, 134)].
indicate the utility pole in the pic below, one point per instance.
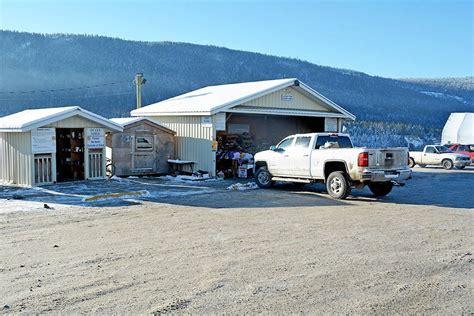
[(139, 81)]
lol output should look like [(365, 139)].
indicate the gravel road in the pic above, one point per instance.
[(283, 250)]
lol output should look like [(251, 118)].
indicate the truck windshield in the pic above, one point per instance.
[(336, 141), (443, 149)]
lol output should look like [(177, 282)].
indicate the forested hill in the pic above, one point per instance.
[(34, 64)]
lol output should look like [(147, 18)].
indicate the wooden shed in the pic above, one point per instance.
[(143, 148), (43, 146)]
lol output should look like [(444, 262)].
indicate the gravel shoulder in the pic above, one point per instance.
[(284, 250)]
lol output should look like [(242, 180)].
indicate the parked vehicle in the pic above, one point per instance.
[(438, 155), (467, 150), (332, 159)]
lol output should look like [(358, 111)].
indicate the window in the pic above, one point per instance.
[(284, 144), (342, 141), (463, 148), (430, 150), (471, 147), (443, 149), (144, 142), (302, 141)]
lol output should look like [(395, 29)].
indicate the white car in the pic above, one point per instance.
[(439, 155), (331, 158)]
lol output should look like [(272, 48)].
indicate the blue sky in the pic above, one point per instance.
[(387, 38)]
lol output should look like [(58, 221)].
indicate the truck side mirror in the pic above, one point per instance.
[(273, 147)]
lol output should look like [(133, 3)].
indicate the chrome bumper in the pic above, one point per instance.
[(400, 175)]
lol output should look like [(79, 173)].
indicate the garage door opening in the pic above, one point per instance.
[(70, 154), (247, 134)]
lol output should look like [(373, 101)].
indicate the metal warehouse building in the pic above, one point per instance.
[(53, 145), (257, 114)]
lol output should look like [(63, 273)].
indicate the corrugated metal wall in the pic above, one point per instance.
[(299, 101), (16, 158), (193, 140)]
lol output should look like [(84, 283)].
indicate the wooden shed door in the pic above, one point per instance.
[(144, 154)]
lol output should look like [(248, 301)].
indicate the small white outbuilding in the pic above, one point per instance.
[(51, 145), (459, 129)]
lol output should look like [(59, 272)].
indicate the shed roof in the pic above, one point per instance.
[(28, 120), (214, 99), (128, 121)]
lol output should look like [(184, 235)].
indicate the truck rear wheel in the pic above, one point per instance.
[(412, 163), (380, 188), (447, 164), (338, 185), (263, 178)]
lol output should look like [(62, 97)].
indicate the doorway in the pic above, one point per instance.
[(247, 134), (70, 154)]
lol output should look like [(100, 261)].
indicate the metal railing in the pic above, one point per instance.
[(95, 165), (43, 170)]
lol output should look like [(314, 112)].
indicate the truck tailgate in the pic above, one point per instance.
[(388, 158)]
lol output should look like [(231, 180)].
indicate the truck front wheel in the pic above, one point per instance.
[(338, 185), (380, 188), (447, 164), (263, 178)]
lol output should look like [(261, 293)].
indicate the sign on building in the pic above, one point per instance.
[(220, 121), (330, 124), (95, 138), (288, 97), (43, 140), (206, 121)]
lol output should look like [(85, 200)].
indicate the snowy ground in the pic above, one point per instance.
[(101, 193), (197, 247)]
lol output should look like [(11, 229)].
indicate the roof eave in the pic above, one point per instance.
[(148, 121), (264, 111), (64, 115)]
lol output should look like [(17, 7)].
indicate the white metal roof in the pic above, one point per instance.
[(126, 121), (28, 120), (214, 99), (459, 129)]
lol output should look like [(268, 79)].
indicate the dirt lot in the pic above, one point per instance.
[(215, 251)]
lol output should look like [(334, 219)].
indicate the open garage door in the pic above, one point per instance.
[(247, 134)]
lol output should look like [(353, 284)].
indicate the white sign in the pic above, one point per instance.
[(95, 138), (206, 121), (220, 121), (330, 124), (43, 140), (288, 97)]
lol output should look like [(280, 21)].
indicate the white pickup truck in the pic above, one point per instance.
[(439, 155), (331, 158)]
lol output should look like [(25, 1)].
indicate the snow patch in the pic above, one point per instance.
[(187, 178), (242, 186), (441, 95)]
